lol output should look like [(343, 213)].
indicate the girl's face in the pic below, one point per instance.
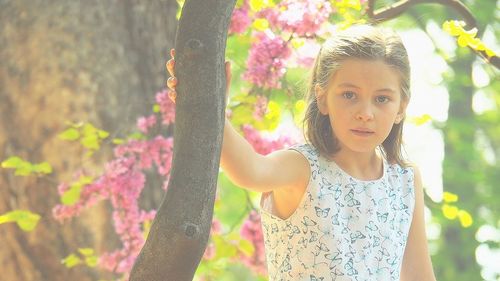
[(363, 101)]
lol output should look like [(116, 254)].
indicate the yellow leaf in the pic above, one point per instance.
[(453, 27), (420, 120), (246, 247), (86, 251), (465, 218), (257, 5), (449, 212), (462, 40), (70, 134), (300, 106), (489, 52), (273, 110), (71, 261), (298, 42), (12, 162), (449, 197), (260, 24)]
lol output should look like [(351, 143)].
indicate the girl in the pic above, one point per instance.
[(344, 205)]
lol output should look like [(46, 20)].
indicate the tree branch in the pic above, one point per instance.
[(402, 6), (181, 228)]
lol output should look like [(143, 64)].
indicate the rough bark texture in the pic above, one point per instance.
[(180, 231), (93, 61)]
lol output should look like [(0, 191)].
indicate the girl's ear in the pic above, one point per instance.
[(401, 113), (320, 99), (399, 117)]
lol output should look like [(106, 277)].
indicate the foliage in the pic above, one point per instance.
[(26, 220)]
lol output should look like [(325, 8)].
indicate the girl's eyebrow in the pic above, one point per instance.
[(349, 85)]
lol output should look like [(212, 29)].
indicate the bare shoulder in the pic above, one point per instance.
[(416, 174), (284, 169)]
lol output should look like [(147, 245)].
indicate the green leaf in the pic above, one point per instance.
[(70, 134), (84, 180), (24, 169), (12, 162), (86, 251), (242, 114), (136, 136), (42, 168), (224, 248), (102, 134), (91, 261), (118, 141), (90, 141), (71, 261), (246, 247), (156, 108), (26, 220), (88, 129), (231, 210), (72, 195), (179, 10)]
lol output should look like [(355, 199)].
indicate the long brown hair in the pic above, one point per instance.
[(363, 42)]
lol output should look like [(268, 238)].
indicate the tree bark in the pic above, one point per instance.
[(180, 231), (92, 61)]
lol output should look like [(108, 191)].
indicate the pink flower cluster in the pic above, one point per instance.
[(145, 123), (167, 107), (240, 20), (210, 250), (121, 183), (260, 107), (262, 145), (266, 62), (252, 231), (301, 17)]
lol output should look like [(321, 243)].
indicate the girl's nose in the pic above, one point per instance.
[(364, 113)]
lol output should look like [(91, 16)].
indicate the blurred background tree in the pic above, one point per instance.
[(89, 61)]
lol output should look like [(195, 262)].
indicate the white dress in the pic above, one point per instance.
[(343, 228)]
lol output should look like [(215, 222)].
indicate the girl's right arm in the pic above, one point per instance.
[(283, 169)]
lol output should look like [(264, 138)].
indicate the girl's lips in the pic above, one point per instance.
[(362, 133)]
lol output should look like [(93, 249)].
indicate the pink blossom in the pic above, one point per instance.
[(144, 123), (240, 20), (210, 250), (266, 62), (122, 183), (252, 231), (303, 17), (167, 107), (262, 145), (260, 107)]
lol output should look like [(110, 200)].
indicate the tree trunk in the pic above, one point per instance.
[(180, 231), (92, 61)]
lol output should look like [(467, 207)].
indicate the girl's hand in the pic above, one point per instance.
[(172, 81)]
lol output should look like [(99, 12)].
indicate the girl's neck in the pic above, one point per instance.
[(363, 166)]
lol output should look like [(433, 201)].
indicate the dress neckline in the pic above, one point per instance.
[(384, 171)]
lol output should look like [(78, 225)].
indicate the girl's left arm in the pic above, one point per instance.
[(417, 263)]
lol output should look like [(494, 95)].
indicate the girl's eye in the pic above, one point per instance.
[(382, 99), (348, 95)]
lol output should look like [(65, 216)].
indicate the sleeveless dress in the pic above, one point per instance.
[(343, 229)]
